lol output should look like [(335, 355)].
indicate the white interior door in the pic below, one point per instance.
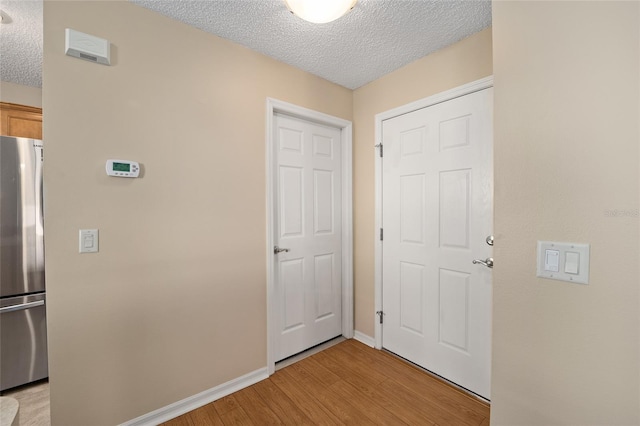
[(437, 213), (308, 230)]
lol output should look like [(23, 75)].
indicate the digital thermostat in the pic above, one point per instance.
[(123, 168)]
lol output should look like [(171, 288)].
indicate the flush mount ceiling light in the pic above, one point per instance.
[(320, 11)]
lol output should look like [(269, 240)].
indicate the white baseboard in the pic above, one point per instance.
[(196, 401), (363, 338)]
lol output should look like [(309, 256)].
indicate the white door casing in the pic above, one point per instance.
[(436, 188), (309, 287)]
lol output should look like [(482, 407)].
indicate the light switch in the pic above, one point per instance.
[(571, 262), (563, 261), (552, 260), (88, 241)]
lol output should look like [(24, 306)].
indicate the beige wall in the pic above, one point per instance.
[(19, 94), (174, 302), (453, 66), (184, 248), (566, 152)]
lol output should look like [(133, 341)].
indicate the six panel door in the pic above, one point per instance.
[(308, 285), (437, 213)]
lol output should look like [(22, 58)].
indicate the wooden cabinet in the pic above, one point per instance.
[(20, 120)]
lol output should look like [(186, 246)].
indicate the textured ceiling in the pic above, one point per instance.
[(375, 38), (21, 42)]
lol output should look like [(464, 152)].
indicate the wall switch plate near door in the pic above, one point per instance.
[(88, 241), (563, 261)]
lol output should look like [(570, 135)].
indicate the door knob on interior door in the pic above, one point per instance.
[(277, 250), (488, 262)]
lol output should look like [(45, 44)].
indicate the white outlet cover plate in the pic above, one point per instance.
[(582, 277)]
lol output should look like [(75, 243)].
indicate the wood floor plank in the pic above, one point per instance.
[(365, 384), (322, 373), (372, 409), (206, 416), (226, 404), (281, 404), (443, 394), (183, 420), (453, 400), (256, 409), (237, 417), (307, 402), (349, 383), (344, 366), (401, 395), (353, 362), (403, 409), (358, 377), (345, 409)]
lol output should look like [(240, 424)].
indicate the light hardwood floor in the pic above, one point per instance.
[(348, 383)]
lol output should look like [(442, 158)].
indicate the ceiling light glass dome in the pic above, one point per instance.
[(320, 11)]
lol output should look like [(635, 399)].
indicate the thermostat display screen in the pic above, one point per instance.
[(121, 167)]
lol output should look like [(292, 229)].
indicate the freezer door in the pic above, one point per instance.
[(21, 219), (23, 340)]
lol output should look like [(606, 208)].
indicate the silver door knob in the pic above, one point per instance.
[(277, 250), (489, 240), (488, 262)]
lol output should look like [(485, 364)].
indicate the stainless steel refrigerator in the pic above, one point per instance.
[(23, 326)]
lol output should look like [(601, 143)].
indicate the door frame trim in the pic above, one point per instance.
[(465, 89), (346, 131)]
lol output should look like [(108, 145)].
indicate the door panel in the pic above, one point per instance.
[(411, 288), (323, 201), (437, 212), (454, 208), (412, 209), (291, 277), (291, 201), (324, 285), (454, 309), (308, 284)]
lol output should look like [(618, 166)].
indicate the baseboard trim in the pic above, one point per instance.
[(363, 338), (196, 401)]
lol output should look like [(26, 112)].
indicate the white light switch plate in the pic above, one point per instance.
[(88, 241), (573, 268)]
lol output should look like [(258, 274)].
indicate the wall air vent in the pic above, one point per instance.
[(87, 47), (88, 58)]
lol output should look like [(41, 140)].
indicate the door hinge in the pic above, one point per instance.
[(381, 149), (381, 315), (381, 234)]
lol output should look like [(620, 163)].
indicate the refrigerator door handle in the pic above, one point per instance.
[(21, 307)]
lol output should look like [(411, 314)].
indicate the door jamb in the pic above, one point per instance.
[(447, 95), (346, 130)]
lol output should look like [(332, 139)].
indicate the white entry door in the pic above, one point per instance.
[(308, 233), (437, 214)]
